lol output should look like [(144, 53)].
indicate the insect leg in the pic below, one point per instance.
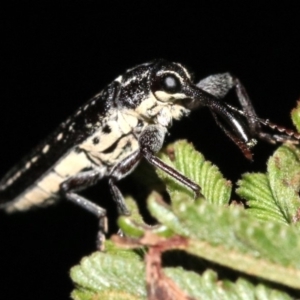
[(255, 122), (219, 85), (151, 141), (122, 169), (80, 182)]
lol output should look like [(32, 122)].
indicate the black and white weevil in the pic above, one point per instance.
[(128, 120)]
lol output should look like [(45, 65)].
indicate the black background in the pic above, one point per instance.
[(56, 56)]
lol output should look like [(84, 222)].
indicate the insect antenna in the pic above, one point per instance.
[(288, 134)]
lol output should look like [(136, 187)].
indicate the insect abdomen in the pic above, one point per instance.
[(46, 189), (39, 164)]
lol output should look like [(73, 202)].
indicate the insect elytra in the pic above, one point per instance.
[(129, 119)]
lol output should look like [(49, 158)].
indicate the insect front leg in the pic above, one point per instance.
[(79, 182), (151, 141), (255, 122), (219, 85)]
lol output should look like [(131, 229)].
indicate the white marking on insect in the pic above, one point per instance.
[(8, 182), (119, 79), (35, 196), (67, 121), (20, 204), (160, 73), (50, 183), (59, 136), (187, 74), (126, 122), (13, 178), (144, 108), (106, 139), (134, 78), (46, 149), (34, 159), (124, 147), (73, 163), (165, 97), (178, 111), (164, 117)]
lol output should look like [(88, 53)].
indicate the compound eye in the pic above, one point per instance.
[(171, 84)]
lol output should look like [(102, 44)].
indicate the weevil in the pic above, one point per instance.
[(127, 121)]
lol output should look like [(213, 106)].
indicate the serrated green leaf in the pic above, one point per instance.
[(256, 190), (192, 164), (296, 116), (233, 238), (208, 286), (284, 180), (275, 196), (103, 295), (205, 286), (120, 273), (83, 295)]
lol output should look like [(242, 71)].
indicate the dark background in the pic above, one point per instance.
[(58, 56)]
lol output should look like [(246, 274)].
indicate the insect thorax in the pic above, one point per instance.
[(118, 136)]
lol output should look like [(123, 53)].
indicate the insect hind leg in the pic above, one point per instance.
[(80, 182)]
